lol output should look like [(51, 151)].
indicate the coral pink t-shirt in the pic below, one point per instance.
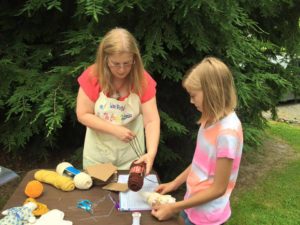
[(90, 85)]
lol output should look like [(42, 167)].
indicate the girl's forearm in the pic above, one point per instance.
[(152, 132), (181, 178)]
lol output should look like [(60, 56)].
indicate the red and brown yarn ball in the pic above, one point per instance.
[(34, 189), (136, 176)]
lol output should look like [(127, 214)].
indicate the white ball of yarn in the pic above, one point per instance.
[(60, 168), (83, 181)]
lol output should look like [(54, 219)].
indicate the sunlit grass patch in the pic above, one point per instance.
[(275, 198)]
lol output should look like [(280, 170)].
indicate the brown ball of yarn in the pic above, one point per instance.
[(34, 189), (136, 176)]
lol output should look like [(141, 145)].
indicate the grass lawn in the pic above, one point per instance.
[(275, 199)]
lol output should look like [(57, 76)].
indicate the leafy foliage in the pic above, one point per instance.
[(47, 44)]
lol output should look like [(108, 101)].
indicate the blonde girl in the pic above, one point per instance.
[(211, 176)]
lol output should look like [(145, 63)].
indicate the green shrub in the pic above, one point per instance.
[(48, 43)]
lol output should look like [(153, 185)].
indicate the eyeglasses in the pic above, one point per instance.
[(120, 65)]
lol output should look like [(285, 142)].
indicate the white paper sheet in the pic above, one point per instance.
[(133, 201)]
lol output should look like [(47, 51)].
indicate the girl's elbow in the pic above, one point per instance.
[(79, 120), (220, 191), (79, 117), (158, 120)]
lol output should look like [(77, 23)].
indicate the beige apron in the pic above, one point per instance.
[(100, 147)]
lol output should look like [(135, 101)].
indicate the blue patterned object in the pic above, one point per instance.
[(85, 204)]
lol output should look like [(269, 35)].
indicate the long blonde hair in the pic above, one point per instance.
[(119, 40), (214, 78)]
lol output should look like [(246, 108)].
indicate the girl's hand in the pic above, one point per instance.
[(166, 187), (124, 134), (163, 212), (148, 159)]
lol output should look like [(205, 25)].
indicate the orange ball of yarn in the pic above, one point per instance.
[(34, 189)]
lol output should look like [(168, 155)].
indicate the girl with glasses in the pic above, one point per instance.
[(117, 103)]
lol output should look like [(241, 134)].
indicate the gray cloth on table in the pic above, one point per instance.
[(7, 175)]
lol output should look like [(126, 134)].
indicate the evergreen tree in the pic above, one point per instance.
[(46, 44)]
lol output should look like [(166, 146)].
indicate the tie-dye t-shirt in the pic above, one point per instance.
[(224, 139)]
